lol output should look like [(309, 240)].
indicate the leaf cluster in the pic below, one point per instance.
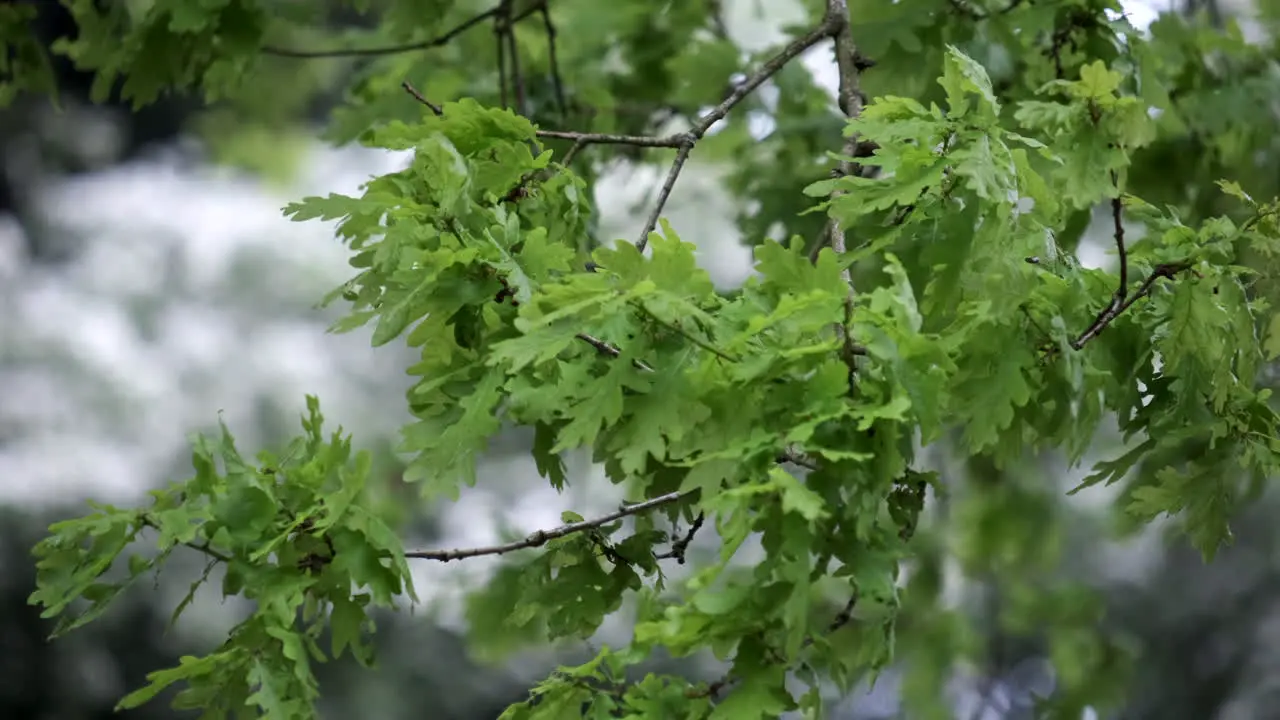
[(295, 535)]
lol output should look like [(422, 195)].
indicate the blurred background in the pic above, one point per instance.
[(143, 296)]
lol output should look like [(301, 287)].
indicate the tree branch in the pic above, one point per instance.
[(669, 141), (850, 100), (668, 185), (541, 537)]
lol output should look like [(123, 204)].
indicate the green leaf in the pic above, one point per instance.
[(963, 77), (188, 667)]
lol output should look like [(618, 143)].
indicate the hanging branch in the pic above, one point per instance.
[(557, 84), (504, 12), (1117, 303), (517, 76), (505, 35), (601, 346), (438, 41), (683, 142)]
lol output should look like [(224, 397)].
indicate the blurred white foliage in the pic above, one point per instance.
[(150, 330)]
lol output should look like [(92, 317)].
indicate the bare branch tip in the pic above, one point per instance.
[(409, 88)]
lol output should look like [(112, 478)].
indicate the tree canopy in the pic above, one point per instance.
[(917, 296)]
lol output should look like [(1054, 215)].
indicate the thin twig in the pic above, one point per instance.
[(409, 88), (203, 547), (1117, 221), (572, 152), (434, 42), (605, 348), (668, 185), (829, 25), (1112, 309), (541, 537)]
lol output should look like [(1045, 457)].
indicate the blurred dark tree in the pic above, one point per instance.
[(80, 679)]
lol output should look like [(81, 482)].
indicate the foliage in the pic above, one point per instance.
[(795, 413)]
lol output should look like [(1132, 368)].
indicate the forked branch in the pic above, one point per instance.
[(1121, 300)]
